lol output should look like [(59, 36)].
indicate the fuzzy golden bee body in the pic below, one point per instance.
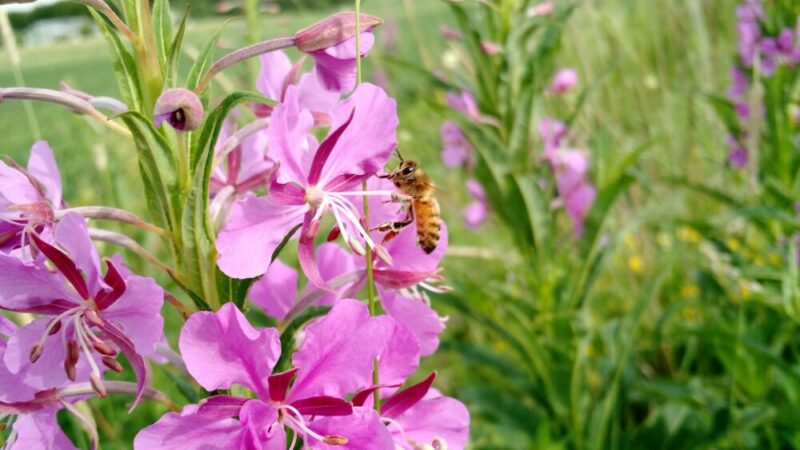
[(422, 207)]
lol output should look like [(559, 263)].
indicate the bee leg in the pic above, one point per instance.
[(399, 198), (392, 229)]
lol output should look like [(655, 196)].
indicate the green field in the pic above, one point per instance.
[(674, 366)]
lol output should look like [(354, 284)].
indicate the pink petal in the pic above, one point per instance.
[(25, 287), (256, 227), (314, 97), (338, 350), (276, 291), (367, 144), (400, 356), (363, 430), (187, 429), (221, 406), (420, 318), (48, 371), (135, 359), (336, 66), (65, 265), (40, 430), (275, 66), (262, 430), (405, 399), (287, 134), (72, 235), (17, 188), (333, 262), (475, 214), (279, 384), (442, 417), (222, 349), (42, 165), (137, 313)]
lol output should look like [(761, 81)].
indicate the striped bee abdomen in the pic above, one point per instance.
[(426, 210)]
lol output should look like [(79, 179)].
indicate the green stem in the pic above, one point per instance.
[(372, 303)]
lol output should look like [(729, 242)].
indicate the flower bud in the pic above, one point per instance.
[(333, 30), (181, 108)]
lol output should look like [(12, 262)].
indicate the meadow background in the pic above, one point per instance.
[(669, 351)]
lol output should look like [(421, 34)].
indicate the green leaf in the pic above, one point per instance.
[(158, 167), (204, 61), (174, 53), (162, 26), (123, 64), (726, 112), (199, 253)]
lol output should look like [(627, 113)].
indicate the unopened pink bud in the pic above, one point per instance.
[(542, 9), (491, 48), (333, 30), (179, 107)]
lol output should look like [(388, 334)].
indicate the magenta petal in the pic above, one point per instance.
[(326, 148), (305, 255), (288, 138), (337, 353), (400, 356), (333, 262), (441, 417), (42, 165), (47, 372), (222, 349), (275, 66), (405, 399), (137, 312), (475, 214), (17, 188), (64, 265), (368, 143), (25, 287), (408, 256), (417, 316), (314, 97), (275, 292), (221, 406), (336, 66), (256, 227), (40, 431), (72, 235), (261, 427), (187, 429), (114, 280), (363, 430), (323, 405), (279, 384), (134, 358)]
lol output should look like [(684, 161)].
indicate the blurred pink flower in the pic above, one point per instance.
[(541, 9), (449, 33), (456, 149), (465, 103), (491, 48), (552, 133), (574, 190), (476, 212), (563, 81)]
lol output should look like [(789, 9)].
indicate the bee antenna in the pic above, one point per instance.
[(399, 155)]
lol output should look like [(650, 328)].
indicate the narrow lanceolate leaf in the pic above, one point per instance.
[(197, 231), (174, 53), (158, 167), (123, 64), (162, 27), (204, 61)]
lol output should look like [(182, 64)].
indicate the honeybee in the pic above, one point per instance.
[(419, 204)]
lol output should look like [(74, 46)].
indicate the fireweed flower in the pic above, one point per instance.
[(335, 358), (552, 133), (332, 44), (312, 180), (28, 197), (575, 192), (563, 81), (475, 213), (465, 103), (737, 153), (91, 316), (179, 107), (456, 149)]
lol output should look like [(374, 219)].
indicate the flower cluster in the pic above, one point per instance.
[(313, 156)]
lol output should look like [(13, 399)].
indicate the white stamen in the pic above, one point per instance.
[(299, 422), (82, 341), (367, 193)]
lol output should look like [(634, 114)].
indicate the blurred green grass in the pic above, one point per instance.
[(651, 63)]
